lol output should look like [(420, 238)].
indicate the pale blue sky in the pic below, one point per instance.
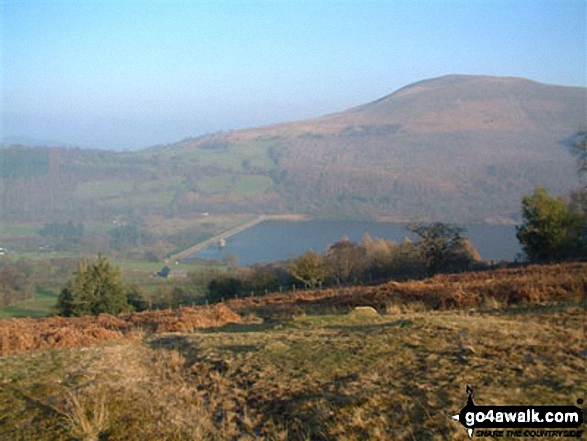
[(130, 74)]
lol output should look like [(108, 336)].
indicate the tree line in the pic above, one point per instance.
[(96, 286), (552, 230)]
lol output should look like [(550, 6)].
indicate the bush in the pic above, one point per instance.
[(550, 232), (224, 287), (136, 299), (95, 289)]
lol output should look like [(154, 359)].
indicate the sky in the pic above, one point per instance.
[(128, 74)]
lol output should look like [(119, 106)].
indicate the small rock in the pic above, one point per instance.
[(366, 310)]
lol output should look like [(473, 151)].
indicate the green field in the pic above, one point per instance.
[(41, 306), (22, 240), (138, 273), (51, 268), (232, 156), (18, 229), (251, 186)]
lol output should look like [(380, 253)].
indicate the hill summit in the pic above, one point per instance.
[(455, 148)]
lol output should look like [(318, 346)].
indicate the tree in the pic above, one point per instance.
[(580, 150), (224, 287), (126, 236), (386, 258), (578, 203), (406, 260), (442, 246), (345, 260), (95, 288), (550, 232), (310, 269), (15, 282)]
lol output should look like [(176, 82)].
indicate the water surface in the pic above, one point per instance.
[(280, 240)]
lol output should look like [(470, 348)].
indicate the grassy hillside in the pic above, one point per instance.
[(455, 148), (311, 369), (98, 185)]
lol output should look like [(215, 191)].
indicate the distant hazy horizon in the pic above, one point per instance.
[(128, 75)]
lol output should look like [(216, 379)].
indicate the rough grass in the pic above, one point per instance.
[(314, 377), (312, 370)]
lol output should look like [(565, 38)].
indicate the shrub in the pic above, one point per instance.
[(96, 288), (550, 232), (224, 287)]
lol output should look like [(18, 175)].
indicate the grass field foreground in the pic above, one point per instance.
[(312, 367), (346, 377)]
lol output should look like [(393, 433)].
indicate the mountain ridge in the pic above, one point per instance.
[(335, 119), (456, 148)]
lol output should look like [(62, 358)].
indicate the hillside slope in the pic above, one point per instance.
[(456, 148), (313, 369)]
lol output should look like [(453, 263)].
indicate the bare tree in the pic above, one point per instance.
[(310, 269)]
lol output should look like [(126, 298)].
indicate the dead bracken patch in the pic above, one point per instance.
[(530, 285), (183, 319), (21, 335)]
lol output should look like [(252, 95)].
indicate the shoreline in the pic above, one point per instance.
[(475, 233), (295, 217)]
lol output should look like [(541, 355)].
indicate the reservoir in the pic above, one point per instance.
[(280, 240)]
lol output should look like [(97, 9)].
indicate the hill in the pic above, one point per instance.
[(312, 369), (456, 148)]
